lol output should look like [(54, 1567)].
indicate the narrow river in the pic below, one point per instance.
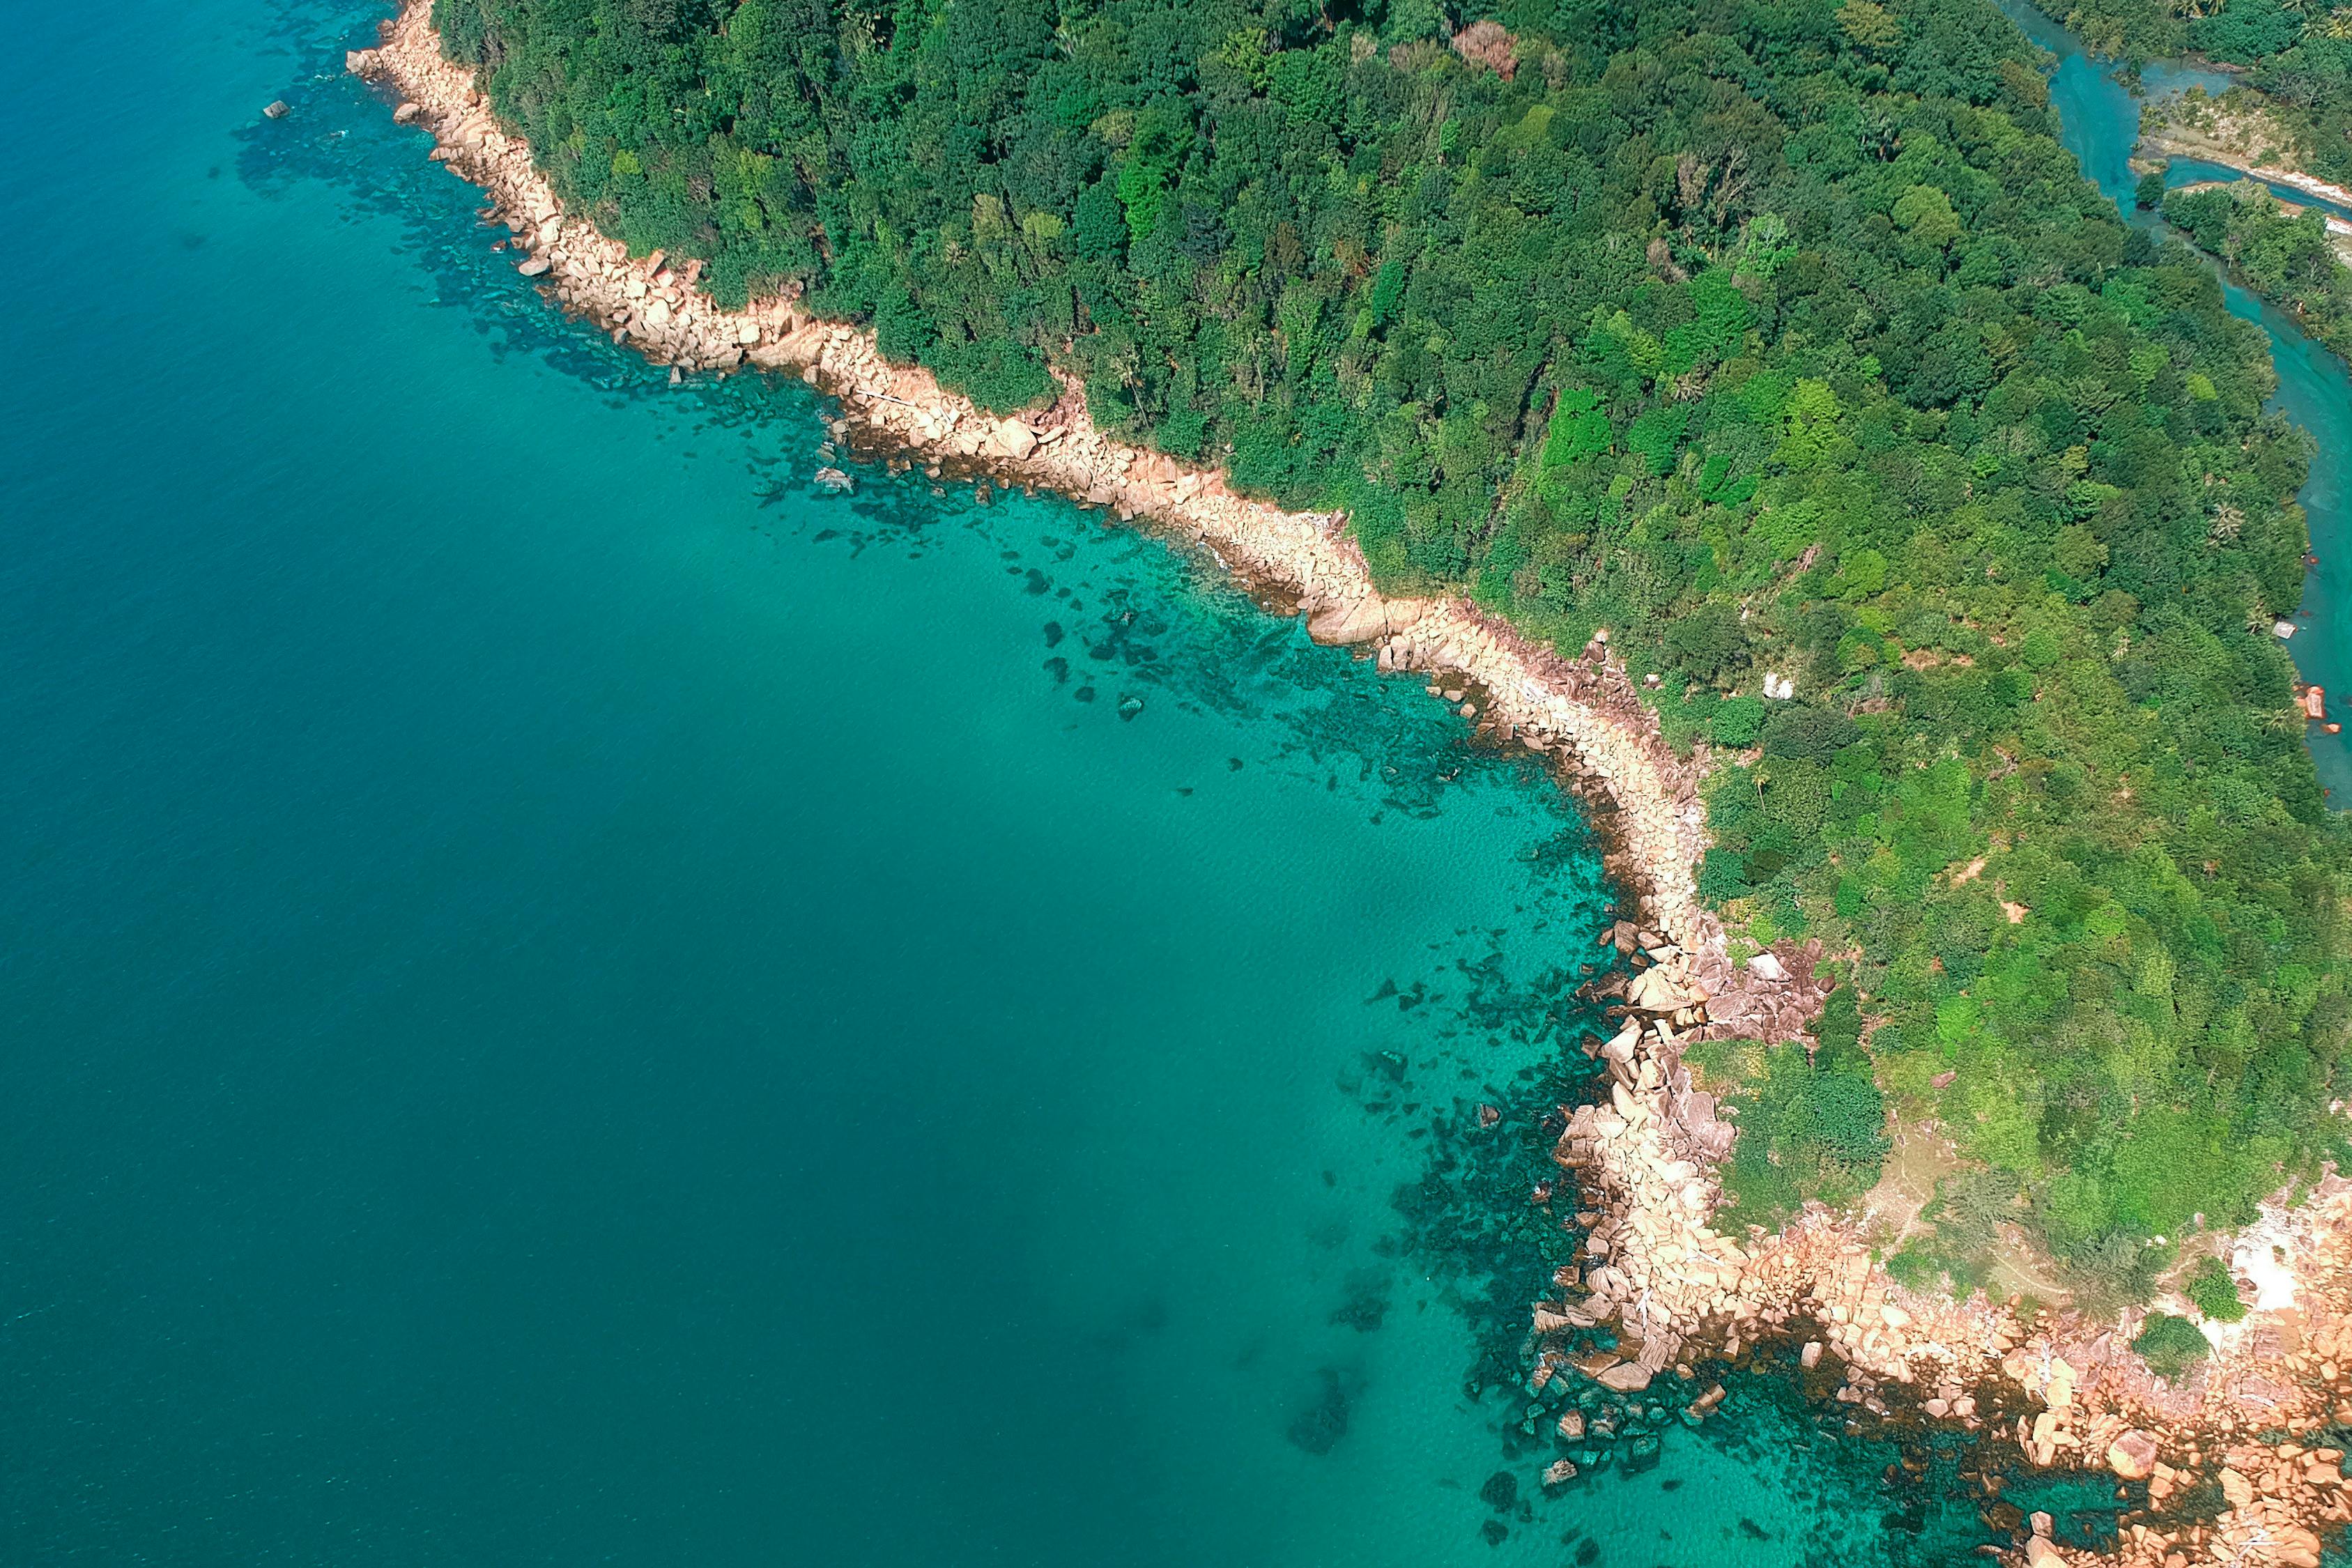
[(2099, 120)]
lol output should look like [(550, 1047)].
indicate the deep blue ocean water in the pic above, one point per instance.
[(567, 999)]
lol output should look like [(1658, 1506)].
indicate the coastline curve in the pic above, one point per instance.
[(1656, 1273)]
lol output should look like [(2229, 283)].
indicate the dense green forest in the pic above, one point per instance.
[(2285, 257), (2296, 55), (1773, 336)]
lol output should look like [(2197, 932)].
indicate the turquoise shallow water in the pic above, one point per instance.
[(2194, 170), (569, 1000)]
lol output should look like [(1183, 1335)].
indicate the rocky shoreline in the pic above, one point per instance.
[(1658, 1287), (1583, 712), (2238, 1462)]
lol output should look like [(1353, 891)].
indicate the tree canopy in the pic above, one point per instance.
[(2286, 257), (1775, 337)]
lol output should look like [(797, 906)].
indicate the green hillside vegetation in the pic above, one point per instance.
[(2285, 257), (1812, 1122), (1771, 336)]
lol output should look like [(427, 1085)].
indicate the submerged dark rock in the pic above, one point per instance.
[(1319, 1429), (1367, 1305)]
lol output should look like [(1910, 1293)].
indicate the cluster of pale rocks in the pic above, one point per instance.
[(1676, 1292), (2277, 1499), (2259, 1423), (1671, 1287), (1657, 1269), (2213, 135)]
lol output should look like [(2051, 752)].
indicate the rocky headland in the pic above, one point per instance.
[(1659, 1292), (2239, 1461)]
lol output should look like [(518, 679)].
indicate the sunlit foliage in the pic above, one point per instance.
[(1777, 338)]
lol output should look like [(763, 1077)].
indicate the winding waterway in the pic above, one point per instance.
[(572, 999), (2099, 120)]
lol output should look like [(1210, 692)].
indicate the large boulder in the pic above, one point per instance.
[(1352, 621), (2132, 1456), (1013, 438), (1652, 992), (1625, 1378)]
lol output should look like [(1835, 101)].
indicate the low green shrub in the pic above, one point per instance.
[(2170, 1345), (2215, 1291)]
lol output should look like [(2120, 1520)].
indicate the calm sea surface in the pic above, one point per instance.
[(569, 1000)]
